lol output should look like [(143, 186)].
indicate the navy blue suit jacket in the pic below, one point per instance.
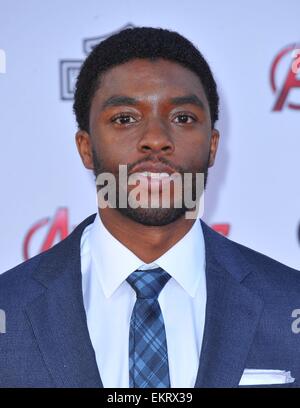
[(250, 299)]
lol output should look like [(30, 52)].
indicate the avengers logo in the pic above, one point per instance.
[(45, 233), (285, 78), (69, 68), (49, 231), (222, 229)]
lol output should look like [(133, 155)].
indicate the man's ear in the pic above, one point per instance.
[(214, 141), (84, 147)]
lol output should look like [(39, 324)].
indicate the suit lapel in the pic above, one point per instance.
[(232, 315), (58, 317)]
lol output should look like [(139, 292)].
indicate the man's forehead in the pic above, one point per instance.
[(147, 77), (155, 66)]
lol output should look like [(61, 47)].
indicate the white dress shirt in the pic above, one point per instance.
[(109, 300)]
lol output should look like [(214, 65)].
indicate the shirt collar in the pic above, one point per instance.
[(114, 262)]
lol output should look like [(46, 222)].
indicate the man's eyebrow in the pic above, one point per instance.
[(119, 100), (188, 99)]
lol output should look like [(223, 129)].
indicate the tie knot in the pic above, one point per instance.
[(149, 283)]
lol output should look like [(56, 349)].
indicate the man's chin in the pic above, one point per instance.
[(154, 217)]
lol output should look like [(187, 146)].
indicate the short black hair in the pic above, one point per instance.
[(146, 43)]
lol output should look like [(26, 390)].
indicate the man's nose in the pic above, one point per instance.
[(156, 138)]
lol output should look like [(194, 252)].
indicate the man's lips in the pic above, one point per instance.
[(149, 169), (153, 174)]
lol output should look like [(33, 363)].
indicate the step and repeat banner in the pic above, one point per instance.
[(253, 47)]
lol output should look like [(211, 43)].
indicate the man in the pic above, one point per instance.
[(141, 296)]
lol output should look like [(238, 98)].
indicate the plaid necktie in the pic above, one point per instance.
[(148, 356)]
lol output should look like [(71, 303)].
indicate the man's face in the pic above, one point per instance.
[(152, 116)]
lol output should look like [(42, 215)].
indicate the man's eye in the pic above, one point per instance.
[(123, 119), (183, 118)]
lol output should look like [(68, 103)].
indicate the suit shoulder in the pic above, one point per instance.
[(264, 261), (246, 263), (277, 275), (17, 282), (28, 279), (19, 274)]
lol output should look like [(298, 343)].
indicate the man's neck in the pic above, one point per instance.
[(146, 242)]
